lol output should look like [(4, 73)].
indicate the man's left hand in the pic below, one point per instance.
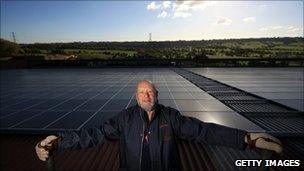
[(264, 141)]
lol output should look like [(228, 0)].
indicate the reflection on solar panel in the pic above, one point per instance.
[(261, 111), (36, 101), (52, 100), (283, 85)]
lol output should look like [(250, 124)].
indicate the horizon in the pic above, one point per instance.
[(132, 21), (162, 40)]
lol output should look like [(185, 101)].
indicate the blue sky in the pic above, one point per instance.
[(68, 21)]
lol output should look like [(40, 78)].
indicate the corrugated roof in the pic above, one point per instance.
[(18, 153)]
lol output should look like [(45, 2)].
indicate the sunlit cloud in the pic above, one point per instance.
[(223, 21), (180, 14), (269, 28), (283, 30), (180, 9), (166, 4), (163, 14), (262, 6), (294, 29), (249, 19), (153, 6)]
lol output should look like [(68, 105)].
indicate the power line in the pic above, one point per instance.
[(150, 37), (14, 37)]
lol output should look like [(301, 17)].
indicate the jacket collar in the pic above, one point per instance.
[(144, 113)]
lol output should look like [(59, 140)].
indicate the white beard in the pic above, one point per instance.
[(148, 107)]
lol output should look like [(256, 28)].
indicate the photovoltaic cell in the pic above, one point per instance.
[(46, 105), (270, 83), (116, 104), (105, 95), (164, 95), (92, 104), (16, 118), (71, 121), (4, 113), (169, 103), (23, 105), (189, 105), (230, 119), (73, 98), (69, 105), (100, 118), (41, 120), (213, 105)]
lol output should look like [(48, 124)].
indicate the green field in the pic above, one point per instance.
[(99, 54)]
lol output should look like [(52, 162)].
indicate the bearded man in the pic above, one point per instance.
[(148, 134)]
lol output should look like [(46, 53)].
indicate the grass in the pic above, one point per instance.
[(86, 51)]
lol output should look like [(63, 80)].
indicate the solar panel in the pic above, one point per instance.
[(227, 118), (71, 120), (40, 121), (69, 99), (270, 83), (92, 104)]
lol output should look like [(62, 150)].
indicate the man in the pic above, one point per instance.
[(148, 132)]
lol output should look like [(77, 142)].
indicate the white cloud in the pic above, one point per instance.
[(153, 6), (163, 14), (178, 8), (269, 28), (249, 19), (166, 4), (292, 29), (187, 6), (276, 27), (179, 14), (262, 6), (287, 31), (223, 21)]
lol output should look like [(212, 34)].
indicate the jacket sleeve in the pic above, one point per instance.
[(90, 137), (192, 129)]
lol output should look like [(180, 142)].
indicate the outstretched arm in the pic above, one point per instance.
[(84, 138), (193, 129)]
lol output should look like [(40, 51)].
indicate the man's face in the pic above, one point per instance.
[(146, 96)]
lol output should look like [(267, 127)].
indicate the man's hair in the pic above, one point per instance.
[(149, 81)]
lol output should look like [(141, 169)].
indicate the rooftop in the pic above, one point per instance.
[(37, 102)]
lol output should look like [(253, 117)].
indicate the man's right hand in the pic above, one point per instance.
[(42, 146)]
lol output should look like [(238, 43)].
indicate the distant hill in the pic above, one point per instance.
[(8, 49), (285, 47), (248, 43)]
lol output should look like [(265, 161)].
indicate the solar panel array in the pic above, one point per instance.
[(70, 99), (282, 85)]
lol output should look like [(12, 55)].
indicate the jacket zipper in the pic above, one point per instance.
[(142, 140)]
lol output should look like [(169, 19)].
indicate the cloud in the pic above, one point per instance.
[(181, 14), (223, 21), (153, 6), (188, 6), (180, 9), (286, 31), (164, 14), (166, 4), (292, 29), (269, 28), (249, 19), (262, 6)]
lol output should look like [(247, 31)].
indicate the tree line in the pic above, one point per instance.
[(286, 47)]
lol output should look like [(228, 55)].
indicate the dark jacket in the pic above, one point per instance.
[(167, 125)]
